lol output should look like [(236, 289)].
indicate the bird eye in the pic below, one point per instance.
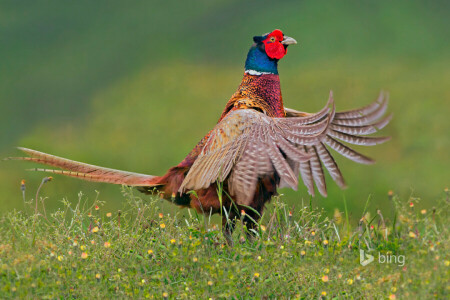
[(272, 39)]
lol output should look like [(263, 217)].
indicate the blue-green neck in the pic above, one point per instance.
[(258, 61)]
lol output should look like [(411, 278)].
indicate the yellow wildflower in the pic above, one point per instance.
[(337, 216)]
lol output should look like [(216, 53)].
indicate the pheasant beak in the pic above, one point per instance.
[(288, 41)]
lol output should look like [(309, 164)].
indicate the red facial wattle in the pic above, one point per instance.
[(273, 46)]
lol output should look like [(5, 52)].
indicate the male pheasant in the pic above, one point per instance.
[(257, 146)]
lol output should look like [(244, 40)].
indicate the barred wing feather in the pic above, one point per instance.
[(347, 126), (247, 145)]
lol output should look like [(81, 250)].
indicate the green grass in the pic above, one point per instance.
[(82, 250)]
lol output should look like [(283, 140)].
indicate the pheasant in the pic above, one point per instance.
[(257, 146)]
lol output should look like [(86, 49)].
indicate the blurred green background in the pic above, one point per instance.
[(134, 85)]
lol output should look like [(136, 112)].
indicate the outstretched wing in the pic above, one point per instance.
[(85, 171), (347, 126), (247, 145)]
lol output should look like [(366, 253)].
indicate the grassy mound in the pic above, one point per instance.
[(81, 251)]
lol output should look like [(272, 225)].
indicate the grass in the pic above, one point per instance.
[(82, 251), (135, 87)]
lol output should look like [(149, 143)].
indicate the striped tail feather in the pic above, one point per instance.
[(348, 126), (85, 171)]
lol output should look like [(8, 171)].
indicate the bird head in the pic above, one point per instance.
[(267, 50), (274, 44)]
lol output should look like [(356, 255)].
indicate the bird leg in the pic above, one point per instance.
[(228, 226), (251, 220)]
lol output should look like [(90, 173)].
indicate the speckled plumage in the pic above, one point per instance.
[(257, 146)]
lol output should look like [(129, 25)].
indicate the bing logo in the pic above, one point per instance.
[(365, 259)]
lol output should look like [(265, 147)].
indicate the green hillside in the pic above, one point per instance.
[(134, 86)]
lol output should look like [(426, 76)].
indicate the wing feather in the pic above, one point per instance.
[(356, 113), (317, 172), (364, 119), (306, 174), (331, 165), (281, 166), (316, 132), (358, 140), (362, 130), (245, 146)]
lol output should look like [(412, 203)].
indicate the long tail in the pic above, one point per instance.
[(86, 171)]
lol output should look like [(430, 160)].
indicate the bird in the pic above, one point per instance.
[(257, 146)]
